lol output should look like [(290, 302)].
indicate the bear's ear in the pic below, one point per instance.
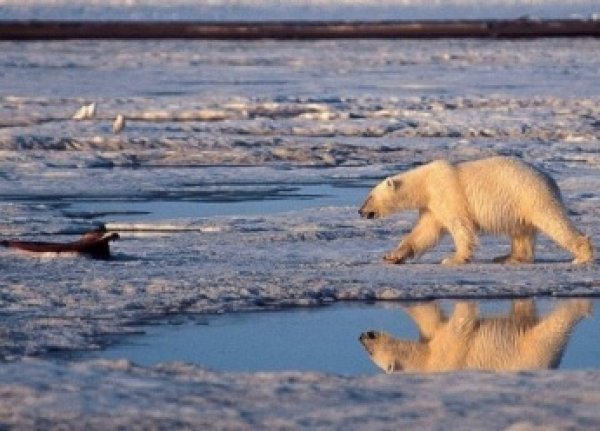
[(393, 184)]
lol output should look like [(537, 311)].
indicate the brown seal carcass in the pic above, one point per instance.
[(93, 244)]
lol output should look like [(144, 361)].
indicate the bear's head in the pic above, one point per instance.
[(391, 354), (382, 200)]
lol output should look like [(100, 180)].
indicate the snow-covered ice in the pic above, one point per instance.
[(117, 394), (226, 121)]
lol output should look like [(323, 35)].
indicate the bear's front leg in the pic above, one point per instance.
[(464, 317), (399, 255), (425, 234), (462, 232), (455, 260)]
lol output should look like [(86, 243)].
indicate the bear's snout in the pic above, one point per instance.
[(366, 214), (369, 335), (367, 339), (365, 211)]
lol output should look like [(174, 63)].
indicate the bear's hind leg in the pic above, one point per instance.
[(522, 249), (523, 310), (584, 250), (557, 226), (426, 233), (542, 346)]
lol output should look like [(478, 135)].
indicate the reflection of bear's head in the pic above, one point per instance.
[(388, 353), (382, 200)]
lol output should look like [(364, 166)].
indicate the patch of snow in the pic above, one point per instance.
[(112, 394)]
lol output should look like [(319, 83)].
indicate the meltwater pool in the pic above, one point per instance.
[(326, 338)]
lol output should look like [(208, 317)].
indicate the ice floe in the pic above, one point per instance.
[(216, 123)]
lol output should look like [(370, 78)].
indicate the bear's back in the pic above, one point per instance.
[(502, 192)]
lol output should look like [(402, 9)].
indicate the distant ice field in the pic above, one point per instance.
[(224, 10)]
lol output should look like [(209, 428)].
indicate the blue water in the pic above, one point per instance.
[(276, 200), (318, 339)]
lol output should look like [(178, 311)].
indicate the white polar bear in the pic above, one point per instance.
[(497, 195)]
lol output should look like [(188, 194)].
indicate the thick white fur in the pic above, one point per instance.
[(497, 195)]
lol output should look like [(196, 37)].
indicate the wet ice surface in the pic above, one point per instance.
[(209, 121)]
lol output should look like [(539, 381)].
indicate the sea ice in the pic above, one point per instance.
[(337, 114)]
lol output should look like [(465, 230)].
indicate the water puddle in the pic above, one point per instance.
[(326, 339), (242, 201)]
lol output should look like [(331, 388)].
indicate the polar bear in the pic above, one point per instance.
[(515, 342), (497, 195)]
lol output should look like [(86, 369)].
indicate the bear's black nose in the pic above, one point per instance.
[(371, 335), (365, 214)]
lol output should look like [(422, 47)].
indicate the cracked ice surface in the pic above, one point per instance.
[(214, 122)]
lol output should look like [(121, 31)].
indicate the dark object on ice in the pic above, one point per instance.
[(93, 244)]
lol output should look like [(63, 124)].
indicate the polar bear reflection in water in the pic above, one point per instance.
[(519, 340)]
